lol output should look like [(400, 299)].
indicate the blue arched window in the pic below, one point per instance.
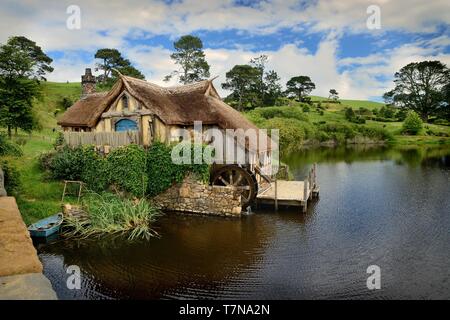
[(126, 125)]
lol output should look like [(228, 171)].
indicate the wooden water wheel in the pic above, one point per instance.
[(240, 178)]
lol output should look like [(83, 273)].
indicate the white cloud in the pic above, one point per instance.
[(360, 80), (110, 23), (46, 22)]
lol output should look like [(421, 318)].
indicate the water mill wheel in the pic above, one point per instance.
[(238, 177)]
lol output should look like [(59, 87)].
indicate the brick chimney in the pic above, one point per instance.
[(87, 83)]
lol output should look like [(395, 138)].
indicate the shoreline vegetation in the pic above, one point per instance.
[(108, 213), (302, 126), (328, 124)]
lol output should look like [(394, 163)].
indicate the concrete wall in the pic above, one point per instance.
[(20, 269)]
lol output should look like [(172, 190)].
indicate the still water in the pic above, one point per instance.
[(377, 206)]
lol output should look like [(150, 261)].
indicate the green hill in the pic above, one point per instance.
[(52, 94), (355, 104)]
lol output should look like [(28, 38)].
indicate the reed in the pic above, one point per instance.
[(110, 214)]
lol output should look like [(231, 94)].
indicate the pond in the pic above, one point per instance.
[(378, 206)]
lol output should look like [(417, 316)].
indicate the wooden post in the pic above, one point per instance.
[(79, 192), (276, 194), (310, 182), (305, 189), (64, 191), (314, 175)]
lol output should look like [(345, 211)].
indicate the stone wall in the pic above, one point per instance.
[(195, 197)]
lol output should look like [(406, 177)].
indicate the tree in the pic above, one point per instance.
[(260, 64), (243, 81), (444, 110), (112, 59), (334, 95), (16, 104), (268, 88), (63, 104), (412, 123), (22, 65), (190, 57), (273, 88), (26, 60), (419, 86), (300, 87)]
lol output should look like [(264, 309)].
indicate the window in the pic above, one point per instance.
[(126, 125), (125, 103)]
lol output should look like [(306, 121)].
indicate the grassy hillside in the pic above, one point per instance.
[(355, 104), (300, 124), (335, 112), (52, 94)]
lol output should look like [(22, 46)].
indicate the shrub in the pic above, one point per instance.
[(442, 122), (292, 132), (358, 120), (412, 124), (69, 163), (374, 133), (338, 132), (11, 176), (259, 114), (9, 148), (96, 171), (386, 112), (59, 141), (349, 114), (306, 108), (162, 172), (21, 141), (127, 167), (364, 112), (401, 114), (45, 160)]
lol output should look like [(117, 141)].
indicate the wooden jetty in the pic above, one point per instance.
[(290, 193)]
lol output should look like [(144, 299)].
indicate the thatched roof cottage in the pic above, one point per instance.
[(152, 111), (136, 111), (146, 105)]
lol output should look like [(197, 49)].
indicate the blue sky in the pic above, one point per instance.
[(326, 40)]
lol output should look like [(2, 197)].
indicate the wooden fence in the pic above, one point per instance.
[(112, 139)]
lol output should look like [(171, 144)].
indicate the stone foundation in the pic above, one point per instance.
[(195, 197)]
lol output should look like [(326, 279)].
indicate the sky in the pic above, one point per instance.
[(345, 45)]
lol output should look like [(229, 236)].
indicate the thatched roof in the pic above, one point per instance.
[(180, 105)]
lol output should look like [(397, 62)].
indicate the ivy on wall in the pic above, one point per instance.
[(162, 172), (131, 168)]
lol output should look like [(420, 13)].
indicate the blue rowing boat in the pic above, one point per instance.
[(47, 226)]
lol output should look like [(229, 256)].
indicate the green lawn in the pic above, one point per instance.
[(38, 197)]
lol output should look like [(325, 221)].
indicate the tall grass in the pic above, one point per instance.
[(111, 214)]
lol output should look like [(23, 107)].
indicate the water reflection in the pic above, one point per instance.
[(384, 206), (193, 252)]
